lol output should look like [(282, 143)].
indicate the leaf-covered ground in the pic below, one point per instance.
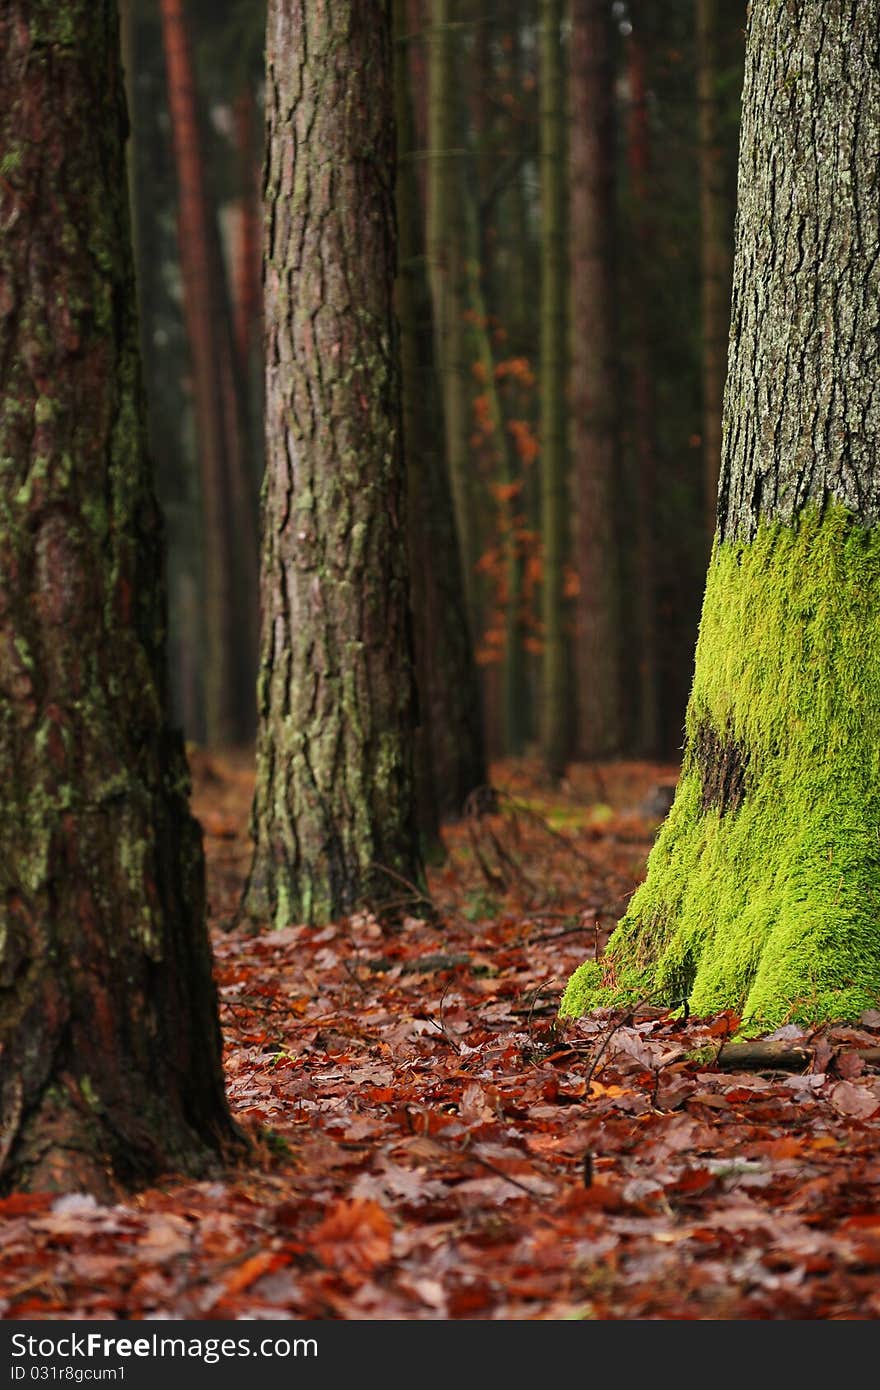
[(428, 1143)]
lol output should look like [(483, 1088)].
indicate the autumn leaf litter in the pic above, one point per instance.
[(429, 1143)]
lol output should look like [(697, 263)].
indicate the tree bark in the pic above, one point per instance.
[(593, 392), (761, 893), (333, 820), (644, 404), (555, 716), (451, 756), (109, 1037), (446, 236), (714, 255)]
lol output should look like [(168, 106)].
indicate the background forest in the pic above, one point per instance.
[(635, 272), (271, 1045)]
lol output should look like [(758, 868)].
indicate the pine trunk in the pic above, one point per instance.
[(446, 236), (555, 720), (108, 1016), (227, 491), (333, 821), (451, 757), (714, 256), (761, 893), (644, 407), (593, 392)]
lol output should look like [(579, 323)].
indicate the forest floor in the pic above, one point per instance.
[(429, 1143)]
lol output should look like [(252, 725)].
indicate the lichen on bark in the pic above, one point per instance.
[(333, 819), (109, 1037)]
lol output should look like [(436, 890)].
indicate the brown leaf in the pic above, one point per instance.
[(848, 1098), (356, 1232)]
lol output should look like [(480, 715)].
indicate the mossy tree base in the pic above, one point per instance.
[(763, 889)]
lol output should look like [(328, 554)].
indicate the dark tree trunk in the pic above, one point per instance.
[(555, 713), (644, 404), (229, 525), (334, 819), (761, 893), (451, 755), (714, 252), (593, 377), (108, 1019), (446, 247)]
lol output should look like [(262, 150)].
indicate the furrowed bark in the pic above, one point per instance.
[(333, 820), (109, 1042)]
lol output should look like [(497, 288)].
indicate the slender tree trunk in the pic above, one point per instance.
[(248, 240), (555, 718), (108, 1018), (509, 476), (446, 236), (644, 402), (228, 510), (761, 893), (450, 754), (593, 376), (333, 820), (714, 253)]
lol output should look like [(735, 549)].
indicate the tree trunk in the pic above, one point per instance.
[(248, 240), (450, 755), (334, 819), (555, 718), (761, 893), (228, 513), (108, 1017), (446, 235), (714, 256), (644, 404), (593, 377)]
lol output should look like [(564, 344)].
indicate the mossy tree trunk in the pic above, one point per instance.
[(593, 392), (555, 714), (109, 1037), (333, 820), (450, 754), (763, 890)]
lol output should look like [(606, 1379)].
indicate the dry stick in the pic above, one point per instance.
[(536, 993), (558, 836), (622, 1022), (426, 897), (492, 1167)]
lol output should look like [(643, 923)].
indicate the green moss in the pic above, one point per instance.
[(763, 889), (11, 161)]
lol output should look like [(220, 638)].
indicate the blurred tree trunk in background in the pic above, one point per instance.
[(446, 234), (248, 251), (110, 1043), (593, 396), (715, 250), (644, 401), (555, 713), (228, 510), (450, 754), (334, 814)]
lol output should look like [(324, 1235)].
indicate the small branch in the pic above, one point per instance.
[(781, 1056)]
